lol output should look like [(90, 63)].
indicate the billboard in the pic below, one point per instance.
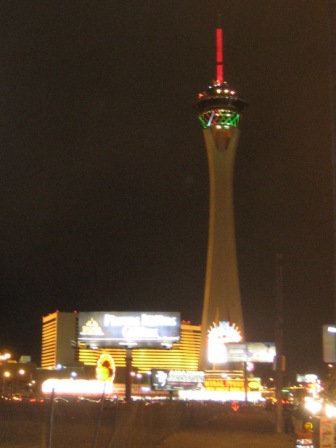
[(177, 379), (129, 329), (251, 352), (329, 343), (232, 385)]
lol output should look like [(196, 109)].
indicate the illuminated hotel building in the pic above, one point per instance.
[(58, 336), (219, 109), (59, 331), (183, 356)]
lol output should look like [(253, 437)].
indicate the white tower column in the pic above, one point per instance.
[(222, 291)]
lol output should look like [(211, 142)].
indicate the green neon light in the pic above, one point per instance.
[(219, 118)]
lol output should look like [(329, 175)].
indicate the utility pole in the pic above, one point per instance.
[(332, 90), (279, 341), (128, 381)]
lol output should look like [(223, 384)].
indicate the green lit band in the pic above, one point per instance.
[(220, 118)]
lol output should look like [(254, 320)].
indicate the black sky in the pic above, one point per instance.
[(103, 170)]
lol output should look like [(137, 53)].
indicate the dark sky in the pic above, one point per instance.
[(103, 169)]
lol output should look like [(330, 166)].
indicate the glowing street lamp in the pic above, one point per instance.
[(6, 375)]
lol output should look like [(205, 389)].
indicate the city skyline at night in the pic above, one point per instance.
[(105, 179)]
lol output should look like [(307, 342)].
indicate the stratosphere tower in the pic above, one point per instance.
[(219, 110)]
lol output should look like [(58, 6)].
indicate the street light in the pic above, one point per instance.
[(6, 375), (5, 356)]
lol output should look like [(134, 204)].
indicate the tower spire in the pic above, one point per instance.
[(219, 52)]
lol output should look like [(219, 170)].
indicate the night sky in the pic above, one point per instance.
[(103, 169)]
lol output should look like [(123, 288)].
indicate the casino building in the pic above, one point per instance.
[(60, 347), (74, 345)]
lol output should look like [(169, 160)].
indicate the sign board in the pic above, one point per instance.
[(307, 378), (129, 329), (232, 385), (251, 352), (326, 433), (177, 379), (329, 343)]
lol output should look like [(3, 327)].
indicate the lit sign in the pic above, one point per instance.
[(129, 329), (308, 378), (177, 379), (326, 432), (251, 352), (76, 387), (105, 370), (219, 335), (236, 385)]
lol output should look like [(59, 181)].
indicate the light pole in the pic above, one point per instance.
[(332, 90), (6, 374), (279, 341), (4, 357)]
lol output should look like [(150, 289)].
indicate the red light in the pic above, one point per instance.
[(219, 55)]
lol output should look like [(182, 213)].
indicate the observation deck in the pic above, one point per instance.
[(219, 106)]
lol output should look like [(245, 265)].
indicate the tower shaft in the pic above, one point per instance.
[(222, 291)]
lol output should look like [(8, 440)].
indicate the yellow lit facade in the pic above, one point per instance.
[(183, 356), (58, 336), (59, 347)]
